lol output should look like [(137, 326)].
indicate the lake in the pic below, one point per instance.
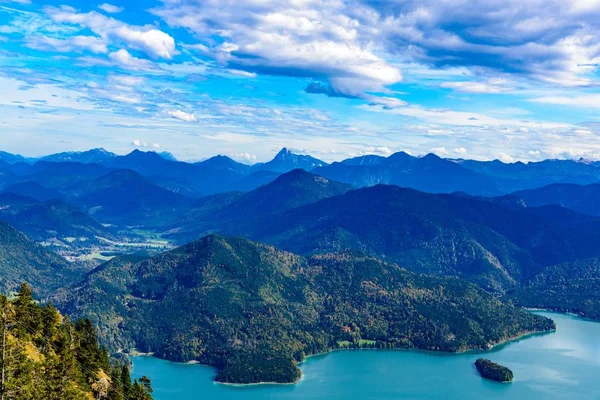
[(560, 365)]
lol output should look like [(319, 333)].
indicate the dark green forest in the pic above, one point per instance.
[(495, 372), (253, 311)]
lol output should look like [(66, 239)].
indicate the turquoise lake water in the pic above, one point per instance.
[(560, 365)]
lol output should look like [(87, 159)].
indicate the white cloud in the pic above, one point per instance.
[(111, 9), (127, 61), (575, 100), (182, 116), (491, 86), (126, 80), (68, 45), (440, 151), (244, 74), (156, 146), (460, 150), (148, 39), (244, 157), (463, 118), (303, 38), (139, 143)]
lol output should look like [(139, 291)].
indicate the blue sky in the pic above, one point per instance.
[(509, 80)]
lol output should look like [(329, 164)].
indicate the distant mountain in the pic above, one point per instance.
[(583, 199), (487, 243), (430, 174), (217, 163), (84, 157), (124, 196), (192, 180), (22, 260), (53, 219), (289, 190), (59, 175), (368, 160), (250, 182), (286, 161), (520, 176), (148, 163), (167, 156), (253, 311), (33, 190), (14, 158)]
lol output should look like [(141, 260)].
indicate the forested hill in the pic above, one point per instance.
[(22, 260), (45, 356), (490, 244), (253, 311), (572, 287)]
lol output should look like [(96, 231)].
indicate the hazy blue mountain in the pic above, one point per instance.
[(286, 161), (34, 190), (227, 210), (429, 174), (148, 163), (48, 220), (192, 180), (519, 176), (368, 160), (290, 190), (125, 196), (14, 158), (58, 175), (221, 163), (85, 157), (8, 200), (167, 156), (583, 199), (252, 181), (482, 241)]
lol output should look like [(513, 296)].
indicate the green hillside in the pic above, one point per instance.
[(45, 356), (254, 312)]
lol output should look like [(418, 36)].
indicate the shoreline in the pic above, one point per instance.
[(494, 347)]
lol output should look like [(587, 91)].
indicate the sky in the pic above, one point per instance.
[(480, 79)]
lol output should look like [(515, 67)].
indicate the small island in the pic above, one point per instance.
[(495, 372)]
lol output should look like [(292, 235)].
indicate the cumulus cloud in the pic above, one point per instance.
[(153, 42), (550, 40), (304, 38), (139, 143), (182, 116), (111, 9), (356, 46), (244, 157)]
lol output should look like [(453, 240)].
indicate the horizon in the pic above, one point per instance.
[(510, 81), (289, 149)]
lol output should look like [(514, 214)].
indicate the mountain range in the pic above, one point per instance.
[(370, 251), (219, 174)]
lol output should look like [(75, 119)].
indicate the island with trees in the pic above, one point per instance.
[(492, 371)]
